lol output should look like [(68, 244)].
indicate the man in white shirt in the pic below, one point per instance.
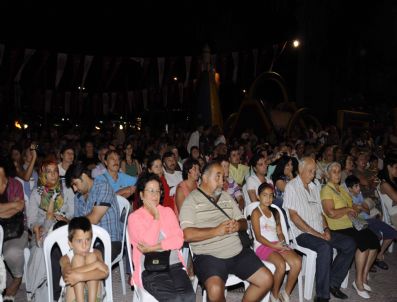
[(302, 200), (101, 167), (172, 176)]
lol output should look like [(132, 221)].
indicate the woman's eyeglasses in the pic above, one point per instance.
[(151, 191)]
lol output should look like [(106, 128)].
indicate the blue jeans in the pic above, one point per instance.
[(329, 273)]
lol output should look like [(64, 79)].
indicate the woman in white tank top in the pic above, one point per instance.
[(269, 244)]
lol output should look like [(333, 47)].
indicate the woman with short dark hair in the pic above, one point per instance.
[(190, 175), (154, 228)]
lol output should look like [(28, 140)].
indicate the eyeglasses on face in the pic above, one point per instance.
[(151, 191)]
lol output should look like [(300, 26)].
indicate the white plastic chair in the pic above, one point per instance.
[(25, 196), (309, 264), (246, 197), (60, 236), (386, 203), (26, 251), (1, 240), (247, 212), (140, 294), (124, 207)]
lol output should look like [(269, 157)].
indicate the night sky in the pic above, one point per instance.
[(145, 28), (347, 58)]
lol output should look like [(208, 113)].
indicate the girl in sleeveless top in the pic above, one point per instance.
[(269, 244)]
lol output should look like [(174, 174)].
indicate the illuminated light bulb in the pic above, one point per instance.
[(121, 127), (17, 125), (25, 126), (296, 43), (175, 79), (97, 128)]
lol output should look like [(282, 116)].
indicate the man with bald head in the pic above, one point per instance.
[(302, 200), (214, 239)]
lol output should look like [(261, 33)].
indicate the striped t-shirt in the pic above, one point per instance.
[(198, 212), (306, 203)]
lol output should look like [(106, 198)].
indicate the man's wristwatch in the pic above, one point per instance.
[(326, 228)]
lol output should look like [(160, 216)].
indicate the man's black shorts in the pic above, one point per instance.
[(243, 265)]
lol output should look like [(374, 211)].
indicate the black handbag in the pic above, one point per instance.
[(246, 241), (157, 261), (13, 226)]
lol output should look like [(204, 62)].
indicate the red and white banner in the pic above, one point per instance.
[(87, 65), (145, 99), (47, 101), (188, 62), (130, 98), (27, 55), (181, 88), (105, 102), (113, 98), (160, 65), (235, 66), (255, 55), (68, 96), (61, 63), (116, 66)]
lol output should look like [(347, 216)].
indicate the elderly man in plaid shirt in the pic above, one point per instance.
[(96, 200)]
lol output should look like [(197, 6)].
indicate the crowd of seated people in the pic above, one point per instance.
[(177, 180)]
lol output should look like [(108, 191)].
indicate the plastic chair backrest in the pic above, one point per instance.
[(60, 237), (283, 223), (246, 197), (386, 202), (247, 214), (249, 208), (129, 252), (25, 196), (291, 231), (124, 208)]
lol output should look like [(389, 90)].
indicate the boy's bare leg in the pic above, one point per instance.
[(78, 288), (94, 286), (70, 297)]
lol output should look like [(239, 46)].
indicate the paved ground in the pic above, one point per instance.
[(383, 283)]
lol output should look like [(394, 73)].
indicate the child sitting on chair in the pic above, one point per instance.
[(270, 245), (376, 225), (83, 268)]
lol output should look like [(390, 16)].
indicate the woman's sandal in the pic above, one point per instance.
[(381, 264)]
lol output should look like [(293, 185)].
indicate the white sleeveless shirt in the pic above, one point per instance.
[(268, 228)]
